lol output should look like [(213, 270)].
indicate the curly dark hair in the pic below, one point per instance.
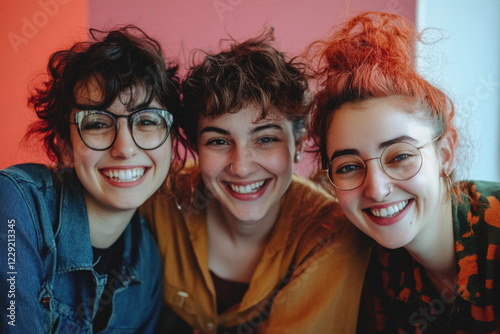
[(249, 73), (118, 60)]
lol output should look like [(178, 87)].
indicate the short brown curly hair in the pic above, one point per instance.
[(253, 72)]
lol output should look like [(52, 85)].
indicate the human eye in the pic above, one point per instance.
[(402, 157), (216, 142), (148, 119), (346, 167), (400, 154), (266, 140), (97, 122)]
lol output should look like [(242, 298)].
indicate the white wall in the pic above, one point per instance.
[(466, 65)]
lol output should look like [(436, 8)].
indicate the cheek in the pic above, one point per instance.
[(348, 201), (84, 156), (162, 156), (425, 183), (211, 164), (278, 161)]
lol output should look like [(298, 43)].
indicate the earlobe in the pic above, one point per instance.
[(297, 157), (299, 146)]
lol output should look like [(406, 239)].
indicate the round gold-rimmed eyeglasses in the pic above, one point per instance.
[(400, 161)]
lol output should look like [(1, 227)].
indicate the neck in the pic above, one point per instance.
[(238, 230), (235, 247), (106, 225), (434, 249)]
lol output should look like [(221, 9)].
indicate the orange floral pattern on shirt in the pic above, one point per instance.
[(399, 298)]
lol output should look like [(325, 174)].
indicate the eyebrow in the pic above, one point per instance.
[(382, 145), (266, 126), (214, 129), (225, 132)]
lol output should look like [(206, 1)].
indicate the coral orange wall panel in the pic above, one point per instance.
[(31, 30)]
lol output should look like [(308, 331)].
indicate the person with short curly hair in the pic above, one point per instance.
[(253, 247), (84, 260), (387, 141)]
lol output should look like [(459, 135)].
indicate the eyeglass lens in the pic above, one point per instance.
[(400, 161), (148, 127)]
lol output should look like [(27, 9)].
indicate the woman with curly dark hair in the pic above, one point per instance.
[(247, 245), (83, 259)]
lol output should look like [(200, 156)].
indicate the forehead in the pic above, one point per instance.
[(245, 118), (87, 92), (92, 92), (374, 121)]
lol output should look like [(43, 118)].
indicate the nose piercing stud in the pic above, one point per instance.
[(390, 187)]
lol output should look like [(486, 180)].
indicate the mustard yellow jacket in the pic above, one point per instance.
[(309, 279)]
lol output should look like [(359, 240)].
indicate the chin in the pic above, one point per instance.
[(128, 205), (248, 217), (392, 242)]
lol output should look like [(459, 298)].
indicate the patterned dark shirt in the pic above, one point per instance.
[(399, 298)]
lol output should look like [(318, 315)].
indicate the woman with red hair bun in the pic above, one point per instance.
[(387, 142)]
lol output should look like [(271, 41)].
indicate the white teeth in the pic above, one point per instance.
[(249, 188), (124, 175), (389, 211)]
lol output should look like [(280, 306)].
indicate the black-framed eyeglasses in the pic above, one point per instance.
[(400, 161), (98, 129)]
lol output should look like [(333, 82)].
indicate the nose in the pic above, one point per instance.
[(376, 184), (242, 161), (124, 146)]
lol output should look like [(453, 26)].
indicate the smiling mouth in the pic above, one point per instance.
[(124, 175), (390, 211), (248, 188)]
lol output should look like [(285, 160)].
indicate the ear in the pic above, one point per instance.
[(447, 147), (299, 145)]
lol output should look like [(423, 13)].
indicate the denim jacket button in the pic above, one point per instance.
[(45, 301)]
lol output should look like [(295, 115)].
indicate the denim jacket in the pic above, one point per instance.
[(47, 280)]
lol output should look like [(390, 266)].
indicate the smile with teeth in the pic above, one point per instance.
[(124, 175), (247, 189), (389, 211)]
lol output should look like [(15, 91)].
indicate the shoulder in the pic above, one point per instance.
[(180, 183), (172, 203), (477, 234), (307, 203), (479, 202), (305, 192), (314, 218), (474, 190), (33, 182), (477, 214), (28, 197), (34, 174)]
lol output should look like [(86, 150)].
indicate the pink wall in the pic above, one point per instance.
[(182, 25)]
